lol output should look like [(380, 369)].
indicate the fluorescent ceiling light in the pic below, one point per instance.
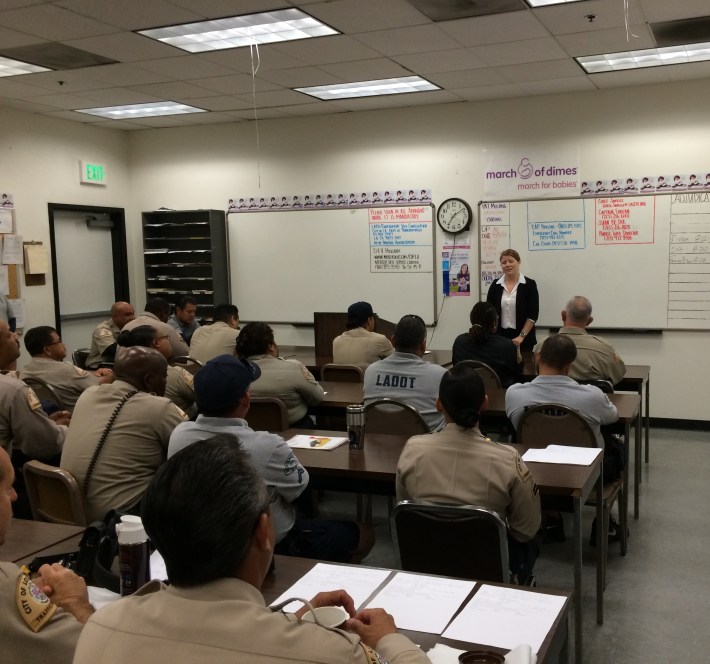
[(9, 67), (151, 110), (385, 86), (649, 57), (233, 32), (545, 3)]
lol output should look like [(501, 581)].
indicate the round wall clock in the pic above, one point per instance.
[(454, 215)]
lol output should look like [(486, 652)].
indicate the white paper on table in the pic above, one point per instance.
[(358, 582), (101, 596), (12, 250), (157, 567), (422, 603), (506, 617), (567, 454), (316, 442), (6, 221)]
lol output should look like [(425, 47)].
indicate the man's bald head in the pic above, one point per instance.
[(144, 368), (122, 313), (578, 312)]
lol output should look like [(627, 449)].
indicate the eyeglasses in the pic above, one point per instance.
[(54, 343)]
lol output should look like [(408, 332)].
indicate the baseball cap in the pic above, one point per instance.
[(360, 312), (223, 381)]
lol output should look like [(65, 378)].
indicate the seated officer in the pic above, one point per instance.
[(218, 545), (183, 320), (405, 376), (222, 390), (48, 352), (209, 341), (157, 312), (106, 334), (460, 466), (40, 620), (596, 357), (122, 432), (360, 344)]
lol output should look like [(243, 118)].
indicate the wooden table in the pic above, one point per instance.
[(374, 469), (28, 539), (554, 648), (638, 379)]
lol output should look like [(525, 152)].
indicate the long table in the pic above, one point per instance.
[(288, 570), (26, 540), (339, 395), (374, 469)]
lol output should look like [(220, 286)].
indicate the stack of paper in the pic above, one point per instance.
[(577, 456), (316, 442)]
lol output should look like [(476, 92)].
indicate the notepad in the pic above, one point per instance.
[(316, 442), (576, 456)]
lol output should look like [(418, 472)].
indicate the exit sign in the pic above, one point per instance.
[(92, 173)]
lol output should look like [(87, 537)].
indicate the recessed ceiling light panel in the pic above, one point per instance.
[(151, 110), (236, 31), (649, 57), (385, 86), (545, 3), (9, 67)]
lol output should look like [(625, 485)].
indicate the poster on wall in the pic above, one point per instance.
[(400, 239), (458, 260), (7, 201), (531, 173)]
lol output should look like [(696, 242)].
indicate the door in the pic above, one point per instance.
[(89, 267)]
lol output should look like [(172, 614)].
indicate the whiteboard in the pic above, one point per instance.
[(643, 261), (286, 265)]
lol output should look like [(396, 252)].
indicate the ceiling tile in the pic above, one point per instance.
[(300, 77), (408, 40), (26, 105), (234, 85), (318, 108), (530, 50), (185, 67), (76, 117), (438, 61), (221, 103), (571, 17), (323, 50), (539, 71), (64, 101), (265, 57), (71, 81), (13, 38), (281, 98), (123, 47), (607, 41), (122, 125), (220, 8), (124, 75), (495, 29), (490, 92), (557, 86), (630, 77), (173, 90), (673, 10), (466, 79), (353, 16), (53, 23), (366, 70), (120, 97), (133, 14)]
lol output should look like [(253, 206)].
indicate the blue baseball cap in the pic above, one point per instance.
[(223, 381)]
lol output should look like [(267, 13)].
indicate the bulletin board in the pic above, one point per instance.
[(286, 265), (643, 261)]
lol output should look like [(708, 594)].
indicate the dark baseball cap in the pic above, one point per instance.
[(223, 381), (360, 312)]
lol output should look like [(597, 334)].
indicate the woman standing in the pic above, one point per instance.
[(516, 300), (481, 343)]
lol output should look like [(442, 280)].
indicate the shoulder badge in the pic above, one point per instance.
[(32, 400), (105, 332), (34, 606), (80, 371), (373, 657), (186, 376), (523, 470)]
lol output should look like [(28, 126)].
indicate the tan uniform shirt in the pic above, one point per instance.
[(209, 341), (104, 335), (67, 380), (361, 347), (290, 381), (460, 466), (54, 643), (596, 357), (24, 423), (136, 446), (180, 389), (177, 343), (223, 621)]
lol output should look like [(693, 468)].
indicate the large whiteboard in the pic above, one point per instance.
[(643, 261), (286, 265)]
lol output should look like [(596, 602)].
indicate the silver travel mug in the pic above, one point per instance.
[(355, 421)]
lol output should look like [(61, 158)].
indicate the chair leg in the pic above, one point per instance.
[(605, 541), (623, 518)]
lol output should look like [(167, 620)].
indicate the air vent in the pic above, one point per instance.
[(687, 31), (55, 56), (448, 10)]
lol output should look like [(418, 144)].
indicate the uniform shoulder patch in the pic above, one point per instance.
[(32, 400), (80, 371), (186, 376), (523, 470), (105, 332), (33, 605), (373, 657)]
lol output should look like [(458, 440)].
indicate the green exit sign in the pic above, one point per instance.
[(92, 173)]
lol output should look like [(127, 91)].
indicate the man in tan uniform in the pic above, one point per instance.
[(460, 466), (360, 344), (22, 420), (157, 312), (179, 387), (216, 561), (48, 352), (596, 357), (135, 426), (220, 338), (106, 333), (33, 627), (288, 380)]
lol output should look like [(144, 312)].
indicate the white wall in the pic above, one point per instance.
[(39, 164), (443, 147)]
